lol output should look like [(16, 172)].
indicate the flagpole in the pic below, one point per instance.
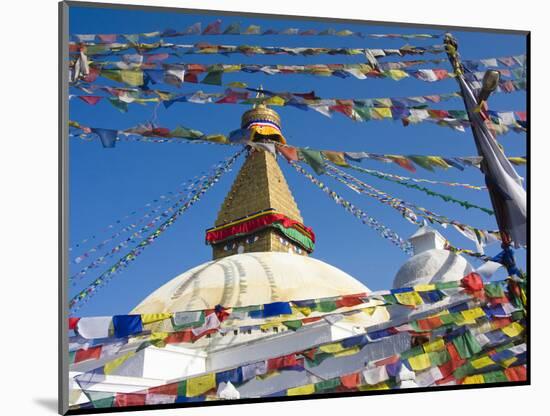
[(451, 47)]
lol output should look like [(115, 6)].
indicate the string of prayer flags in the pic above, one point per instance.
[(383, 175), (384, 231), (482, 348), (446, 198), (410, 211), (93, 49), (184, 198), (122, 263), (151, 209), (234, 28)]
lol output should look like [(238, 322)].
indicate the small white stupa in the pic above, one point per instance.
[(431, 262)]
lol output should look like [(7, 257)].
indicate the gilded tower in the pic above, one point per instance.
[(259, 213)]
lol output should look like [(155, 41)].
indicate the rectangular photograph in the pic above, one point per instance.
[(264, 208)]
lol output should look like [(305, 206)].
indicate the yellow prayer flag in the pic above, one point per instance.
[(513, 330), (396, 74), (131, 77), (275, 100), (482, 362), (409, 298), (117, 362), (268, 375), (199, 385), (149, 318), (423, 288), (379, 386), (438, 161), (381, 112), (344, 32), (370, 310), (349, 351), (231, 68), (434, 346), (270, 325), (475, 379), (237, 84), (472, 314), (332, 348), (164, 96), (335, 157), (218, 138), (302, 390), (305, 310), (420, 362), (507, 363)]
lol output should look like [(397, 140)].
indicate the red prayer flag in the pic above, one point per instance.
[(350, 300), (168, 389), (179, 337), (93, 353), (90, 99), (430, 323), (129, 399), (390, 360), (500, 322), (404, 163), (290, 153), (73, 322), (350, 381), (190, 77), (93, 73), (312, 319), (107, 38), (441, 73), (472, 282), (213, 28), (306, 95), (516, 373)]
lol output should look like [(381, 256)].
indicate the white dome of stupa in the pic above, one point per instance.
[(250, 279), (431, 263)]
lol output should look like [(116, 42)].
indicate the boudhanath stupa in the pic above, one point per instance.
[(264, 318)]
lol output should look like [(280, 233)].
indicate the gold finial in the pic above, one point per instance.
[(264, 121)]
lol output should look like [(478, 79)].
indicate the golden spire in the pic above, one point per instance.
[(260, 189)]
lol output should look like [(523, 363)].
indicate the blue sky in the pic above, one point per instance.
[(107, 184)]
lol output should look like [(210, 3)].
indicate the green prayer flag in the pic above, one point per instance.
[(390, 299), (422, 161), (326, 306), (186, 133), (464, 371), (439, 357), (105, 403), (495, 377), (213, 78), (119, 105), (494, 290), (96, 49), (363, 112), (294, 325), (182, 388), (101, 400), (329, 384), (447, 285), (233, 29), (314, 159), (466, 345), (412, 352)]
